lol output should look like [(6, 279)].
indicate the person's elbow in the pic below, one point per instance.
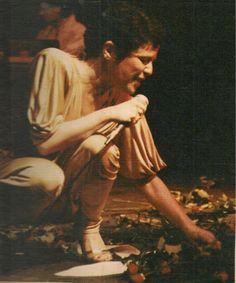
[(49, 147), (43, 150)]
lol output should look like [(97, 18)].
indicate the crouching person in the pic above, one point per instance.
[(74, 108)]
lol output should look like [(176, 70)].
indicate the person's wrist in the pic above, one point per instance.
[(189, 228), (109, 113)]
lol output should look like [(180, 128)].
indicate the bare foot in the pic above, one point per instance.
[(92, 244), (98, 257), (94, 248)]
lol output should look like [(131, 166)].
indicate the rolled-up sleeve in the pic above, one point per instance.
[(46, 104)]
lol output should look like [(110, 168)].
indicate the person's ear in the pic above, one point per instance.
[(108, 51)]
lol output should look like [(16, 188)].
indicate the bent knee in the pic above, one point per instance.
[(109, 162), (94, 144), (50, 180), (111, 154)]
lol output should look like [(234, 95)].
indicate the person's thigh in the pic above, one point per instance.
[(27, 187), (88, 166), (78, 160)]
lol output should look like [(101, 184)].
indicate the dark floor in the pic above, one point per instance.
[(123, 200)]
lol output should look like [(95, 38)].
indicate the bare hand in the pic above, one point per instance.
[(131, 110), (197, 233)]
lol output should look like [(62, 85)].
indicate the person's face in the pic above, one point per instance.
[(49, 13), (128, 74)]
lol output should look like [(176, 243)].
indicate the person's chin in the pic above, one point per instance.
[(132, 87)]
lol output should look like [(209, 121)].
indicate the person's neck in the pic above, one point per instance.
[(100, 81)]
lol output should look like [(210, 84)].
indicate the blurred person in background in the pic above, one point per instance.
[(62, 25)]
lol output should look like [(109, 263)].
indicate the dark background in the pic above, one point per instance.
[(191, 93)]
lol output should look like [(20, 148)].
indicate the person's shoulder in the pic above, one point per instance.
[(56, 57), (61, 59), (54, 53)]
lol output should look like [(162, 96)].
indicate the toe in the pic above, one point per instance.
[(99, 257), (104, 256)]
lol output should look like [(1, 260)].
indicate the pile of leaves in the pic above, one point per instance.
[(166, 255)]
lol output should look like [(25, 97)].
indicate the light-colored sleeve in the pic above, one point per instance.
[(46, 104)]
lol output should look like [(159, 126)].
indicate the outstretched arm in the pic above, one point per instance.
[(160, 197)]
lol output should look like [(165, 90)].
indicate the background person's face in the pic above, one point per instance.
[(128, 74), (49, 13)]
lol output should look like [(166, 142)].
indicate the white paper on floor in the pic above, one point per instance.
[(124, 251), (94, 269)]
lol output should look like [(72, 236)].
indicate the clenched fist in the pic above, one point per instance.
[(131, 110)]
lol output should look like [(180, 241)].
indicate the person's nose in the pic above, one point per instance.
[(148, 70)]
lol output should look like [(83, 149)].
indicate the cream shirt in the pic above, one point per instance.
[(57, 95)]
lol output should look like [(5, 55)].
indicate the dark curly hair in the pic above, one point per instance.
[(127, 26)]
